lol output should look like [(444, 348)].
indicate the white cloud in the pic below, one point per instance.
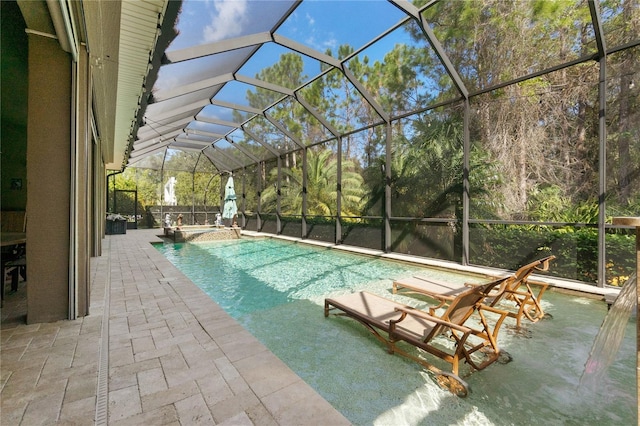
[(310, 20), (312, 39), (227, 21), (331, 43)]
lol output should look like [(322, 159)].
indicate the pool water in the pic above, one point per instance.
[(276, 290)]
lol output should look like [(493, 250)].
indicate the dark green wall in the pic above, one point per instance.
[(14, 93)]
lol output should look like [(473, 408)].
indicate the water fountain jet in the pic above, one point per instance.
[(609, 338), (634, 221)]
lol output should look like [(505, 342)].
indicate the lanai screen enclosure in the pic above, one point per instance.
[(482, 132)]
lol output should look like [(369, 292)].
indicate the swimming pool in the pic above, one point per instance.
[(276, 290)]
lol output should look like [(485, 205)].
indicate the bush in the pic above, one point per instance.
[(576, 250)]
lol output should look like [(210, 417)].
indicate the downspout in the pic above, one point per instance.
[(64, 28), (108, 176)]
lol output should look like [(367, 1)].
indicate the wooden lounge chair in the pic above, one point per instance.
[(391, 322), (519, 295)]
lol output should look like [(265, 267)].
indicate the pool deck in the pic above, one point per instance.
[(154, 350)]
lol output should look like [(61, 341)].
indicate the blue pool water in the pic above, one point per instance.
[(276, 290), (251, 275)]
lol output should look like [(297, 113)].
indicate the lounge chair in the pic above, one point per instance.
[(391, 322), (519, 294)]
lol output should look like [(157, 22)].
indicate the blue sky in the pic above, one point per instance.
[(319, 24)]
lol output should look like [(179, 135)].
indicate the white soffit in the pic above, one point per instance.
[(102, 21), (139, 31)]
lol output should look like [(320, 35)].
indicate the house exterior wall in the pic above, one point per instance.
[(49, 180), (63, 183)]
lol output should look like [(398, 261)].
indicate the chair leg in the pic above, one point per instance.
[(14, 279)]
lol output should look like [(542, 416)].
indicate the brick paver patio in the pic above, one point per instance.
[(154, 350)]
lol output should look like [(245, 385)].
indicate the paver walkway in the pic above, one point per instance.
[(154, 350)]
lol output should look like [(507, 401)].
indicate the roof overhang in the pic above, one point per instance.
[(125, 41)]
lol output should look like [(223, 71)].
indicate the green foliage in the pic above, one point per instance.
[(143, 180), (322, 187), (576, 250), (550, 204), (620, 264), (630, 208), (426, 170)]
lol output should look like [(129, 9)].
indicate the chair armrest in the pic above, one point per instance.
[(417, 313), (537, 283), (525, 294), (493, 309), (494, 292)]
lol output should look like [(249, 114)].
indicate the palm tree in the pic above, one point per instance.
[(322, 187)]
